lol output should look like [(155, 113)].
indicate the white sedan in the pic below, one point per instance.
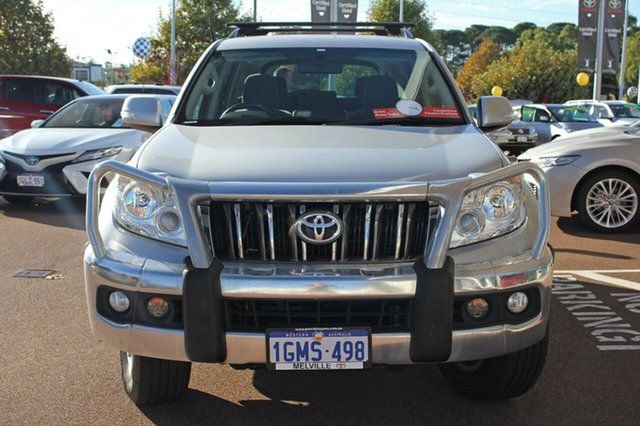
[(55, 157), (596, 173)]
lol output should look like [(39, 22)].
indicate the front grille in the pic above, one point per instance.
[(258, 315), (372, 231)]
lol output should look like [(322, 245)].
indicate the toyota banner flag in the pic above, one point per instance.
[(588, 33), (321, 10)]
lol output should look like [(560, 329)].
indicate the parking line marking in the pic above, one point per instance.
[(600, 275)]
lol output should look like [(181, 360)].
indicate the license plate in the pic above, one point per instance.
[(30, 180), (319, 349), (521, 138)]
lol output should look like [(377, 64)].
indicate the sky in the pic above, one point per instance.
[(89, 29)]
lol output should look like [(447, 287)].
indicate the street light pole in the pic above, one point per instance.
[(401, 10), (597, 83), (624, 52), (172, 77), (255, 10)]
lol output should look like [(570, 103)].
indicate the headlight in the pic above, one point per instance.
[(96, 154), (563, 160), (490, 212), (149, 211)]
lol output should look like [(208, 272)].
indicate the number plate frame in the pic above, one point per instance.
[(30, 180), (330, 335)]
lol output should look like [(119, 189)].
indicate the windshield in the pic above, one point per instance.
[(316, 85), (89, 113), (571, 114), (626, 111)]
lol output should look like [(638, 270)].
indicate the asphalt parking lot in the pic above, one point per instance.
[(54, 372)]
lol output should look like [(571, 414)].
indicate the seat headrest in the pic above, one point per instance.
[(379, 91), (263, 90)]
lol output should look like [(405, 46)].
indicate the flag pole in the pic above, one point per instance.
[(623, 61)]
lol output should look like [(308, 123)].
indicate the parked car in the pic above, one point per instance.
[(610, 113), (24, 98), (554, 120), (514, 139), (595, 173), (55, 158), (348, 214), (157, 89)]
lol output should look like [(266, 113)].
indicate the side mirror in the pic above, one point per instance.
[(36, 123), (142, 113), (494, 112)]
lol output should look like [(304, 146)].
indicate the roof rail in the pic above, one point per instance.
[(400, 29)]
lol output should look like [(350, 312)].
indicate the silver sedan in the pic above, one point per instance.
[(596, 173)]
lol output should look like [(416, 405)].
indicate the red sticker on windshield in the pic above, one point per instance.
[(382, 113), (430, 112), (440, 112)]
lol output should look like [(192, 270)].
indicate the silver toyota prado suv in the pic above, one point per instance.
[(320, 199)]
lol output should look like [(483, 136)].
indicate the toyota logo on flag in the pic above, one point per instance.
[(589, 3)]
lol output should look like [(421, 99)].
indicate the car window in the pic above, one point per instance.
[(311, 84), (626, 111), (601, 111), (88, 113), (571, 114), (59, 94), (528, 113), (18, 90)]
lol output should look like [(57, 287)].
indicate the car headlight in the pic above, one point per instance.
[(489, 212), (563, 160), (96, 154), (149, 211)]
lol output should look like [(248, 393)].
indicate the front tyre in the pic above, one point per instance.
[(151, 381), (608, 201), (504, 377)]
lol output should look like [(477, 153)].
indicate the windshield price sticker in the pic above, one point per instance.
[(30, 180), (428, 112), (319, 349)]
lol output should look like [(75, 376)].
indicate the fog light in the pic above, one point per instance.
[(119, 301), (168, 220), (470, 224), (158, 307), (477, 308), (517, 302)]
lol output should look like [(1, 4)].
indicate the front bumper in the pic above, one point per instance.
[(145, 276)]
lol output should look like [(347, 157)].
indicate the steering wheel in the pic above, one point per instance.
[(257, 107)]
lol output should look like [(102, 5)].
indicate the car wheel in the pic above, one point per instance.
[(504, 377), (151, 381), (17, 199), (608, 201)]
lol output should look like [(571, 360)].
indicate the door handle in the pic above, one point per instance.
[(46, 111), (4, 108)]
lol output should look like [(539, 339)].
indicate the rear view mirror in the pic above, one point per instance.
[(494, 112), (142, 113), (319, 67)]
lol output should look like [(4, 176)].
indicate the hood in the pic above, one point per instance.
[(319, 153), (46, 141), (603, 137)]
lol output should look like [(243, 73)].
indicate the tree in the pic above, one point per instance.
[(533, 70), (523, 26), (27, 45), (198, 24), (487, 53), (415, 11), (501, 35)]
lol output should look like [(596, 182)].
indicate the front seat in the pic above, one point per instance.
[(378, 91)]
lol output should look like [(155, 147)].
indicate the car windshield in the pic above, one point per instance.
[(571, 114), (90, 89), (317, 85), (89, 113), (626, 110)]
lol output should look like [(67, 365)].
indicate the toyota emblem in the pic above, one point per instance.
[(319, 227), (32, 160)]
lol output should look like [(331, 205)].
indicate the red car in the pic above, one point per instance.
[(24, 98)]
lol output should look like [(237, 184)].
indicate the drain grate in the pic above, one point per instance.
[(34, 273)]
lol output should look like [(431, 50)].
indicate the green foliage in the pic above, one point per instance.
[(198, 24), (27, 45), (533, 70), (415, 11)]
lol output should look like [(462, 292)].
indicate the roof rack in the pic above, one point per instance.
[(400, 29)]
